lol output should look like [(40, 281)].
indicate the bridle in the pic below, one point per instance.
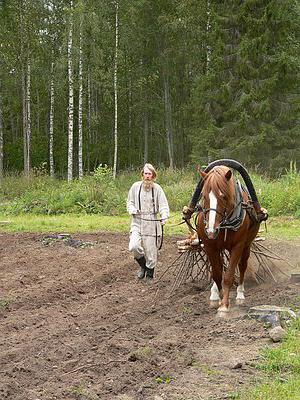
[(224, 218)]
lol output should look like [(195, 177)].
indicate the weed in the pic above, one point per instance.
[(4, 304), (205, 368), (142, 353), (164, 379)]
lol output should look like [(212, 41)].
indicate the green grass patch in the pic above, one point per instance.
[(279, 227), (69, 223), (282, 370)]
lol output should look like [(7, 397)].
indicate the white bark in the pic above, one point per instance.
[(24, 109), (168, 117), (24, 91), (208, 27), (89, 121), (116, 91), (1, 138), (130, 116), (71, 99), (146, 135), (28, 113), (80, 138), (51, 122)]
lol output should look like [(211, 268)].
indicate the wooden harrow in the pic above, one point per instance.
[(192, 264)]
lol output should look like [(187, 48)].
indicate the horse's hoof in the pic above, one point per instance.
[(214, 303), (240, 302), (222, 312)]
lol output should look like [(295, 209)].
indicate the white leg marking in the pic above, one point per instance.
[(240, 292), (214, 293), (212, 214)]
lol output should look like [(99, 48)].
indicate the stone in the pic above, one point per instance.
[(272, 315), (237, 365), (277, 334)]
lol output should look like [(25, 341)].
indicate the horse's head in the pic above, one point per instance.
[(217, 200)]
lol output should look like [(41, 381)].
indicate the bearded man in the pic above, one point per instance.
[(145, 203)]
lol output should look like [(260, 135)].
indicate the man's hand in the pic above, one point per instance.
[(187, 213), (163, 221)]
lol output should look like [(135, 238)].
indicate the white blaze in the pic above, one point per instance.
[(212, 213)]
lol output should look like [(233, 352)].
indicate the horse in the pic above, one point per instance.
[(220, 228)]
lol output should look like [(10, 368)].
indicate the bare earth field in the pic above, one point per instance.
[(76, 324)]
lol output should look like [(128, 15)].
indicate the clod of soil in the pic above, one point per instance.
[(76, 324)]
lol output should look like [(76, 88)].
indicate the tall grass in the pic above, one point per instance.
[(100, 194)]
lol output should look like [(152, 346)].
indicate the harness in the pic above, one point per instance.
[(152, 220), (234, 219)]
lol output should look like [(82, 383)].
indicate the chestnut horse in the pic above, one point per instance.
[(221, 196)]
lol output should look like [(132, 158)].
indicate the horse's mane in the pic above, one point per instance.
[(216, 182)]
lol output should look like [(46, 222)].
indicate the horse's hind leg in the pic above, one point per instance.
[(240, 297)]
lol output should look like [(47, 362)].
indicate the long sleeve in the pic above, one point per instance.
[(163, 206), (132, 207)]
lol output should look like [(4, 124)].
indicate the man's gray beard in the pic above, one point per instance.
[(147, 185)]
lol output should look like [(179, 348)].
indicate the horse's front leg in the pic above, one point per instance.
[(235, 255), (240, 296), (216, 272)]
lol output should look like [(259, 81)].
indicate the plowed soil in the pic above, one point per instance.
[(76, 324)]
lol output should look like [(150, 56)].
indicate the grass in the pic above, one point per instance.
[(286, 228), (282, 370), (99, 193)]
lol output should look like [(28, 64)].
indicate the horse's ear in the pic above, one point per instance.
[(202, 173), (228, 174)]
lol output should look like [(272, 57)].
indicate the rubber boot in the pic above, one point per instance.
[(142, 263), (149, 274)]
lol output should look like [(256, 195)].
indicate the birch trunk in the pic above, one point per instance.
[(208, 27), (28, 107), (130, 118), (89, 122), (51, 123), (80, 138), (116, 92), (146, 136), (168, 117), (71, 99), (1, 138)]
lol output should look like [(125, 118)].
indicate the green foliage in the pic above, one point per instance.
[(4, 303), (282, 365), (164, 379), (280, 196), (286, 358), (101, 194)]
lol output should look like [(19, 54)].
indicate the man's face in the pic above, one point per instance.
[(147, 174)]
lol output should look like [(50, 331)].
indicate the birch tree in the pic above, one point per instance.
[(71, 96), (51, 121), (80, 94), (168, 115), (25, 68), (1, 136), (28, 115), (116, 89)]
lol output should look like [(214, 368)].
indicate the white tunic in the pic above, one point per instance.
[(146, 206)]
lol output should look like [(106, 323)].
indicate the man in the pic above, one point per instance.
[(146, 200)]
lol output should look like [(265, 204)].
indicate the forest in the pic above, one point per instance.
[(85, 83)]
